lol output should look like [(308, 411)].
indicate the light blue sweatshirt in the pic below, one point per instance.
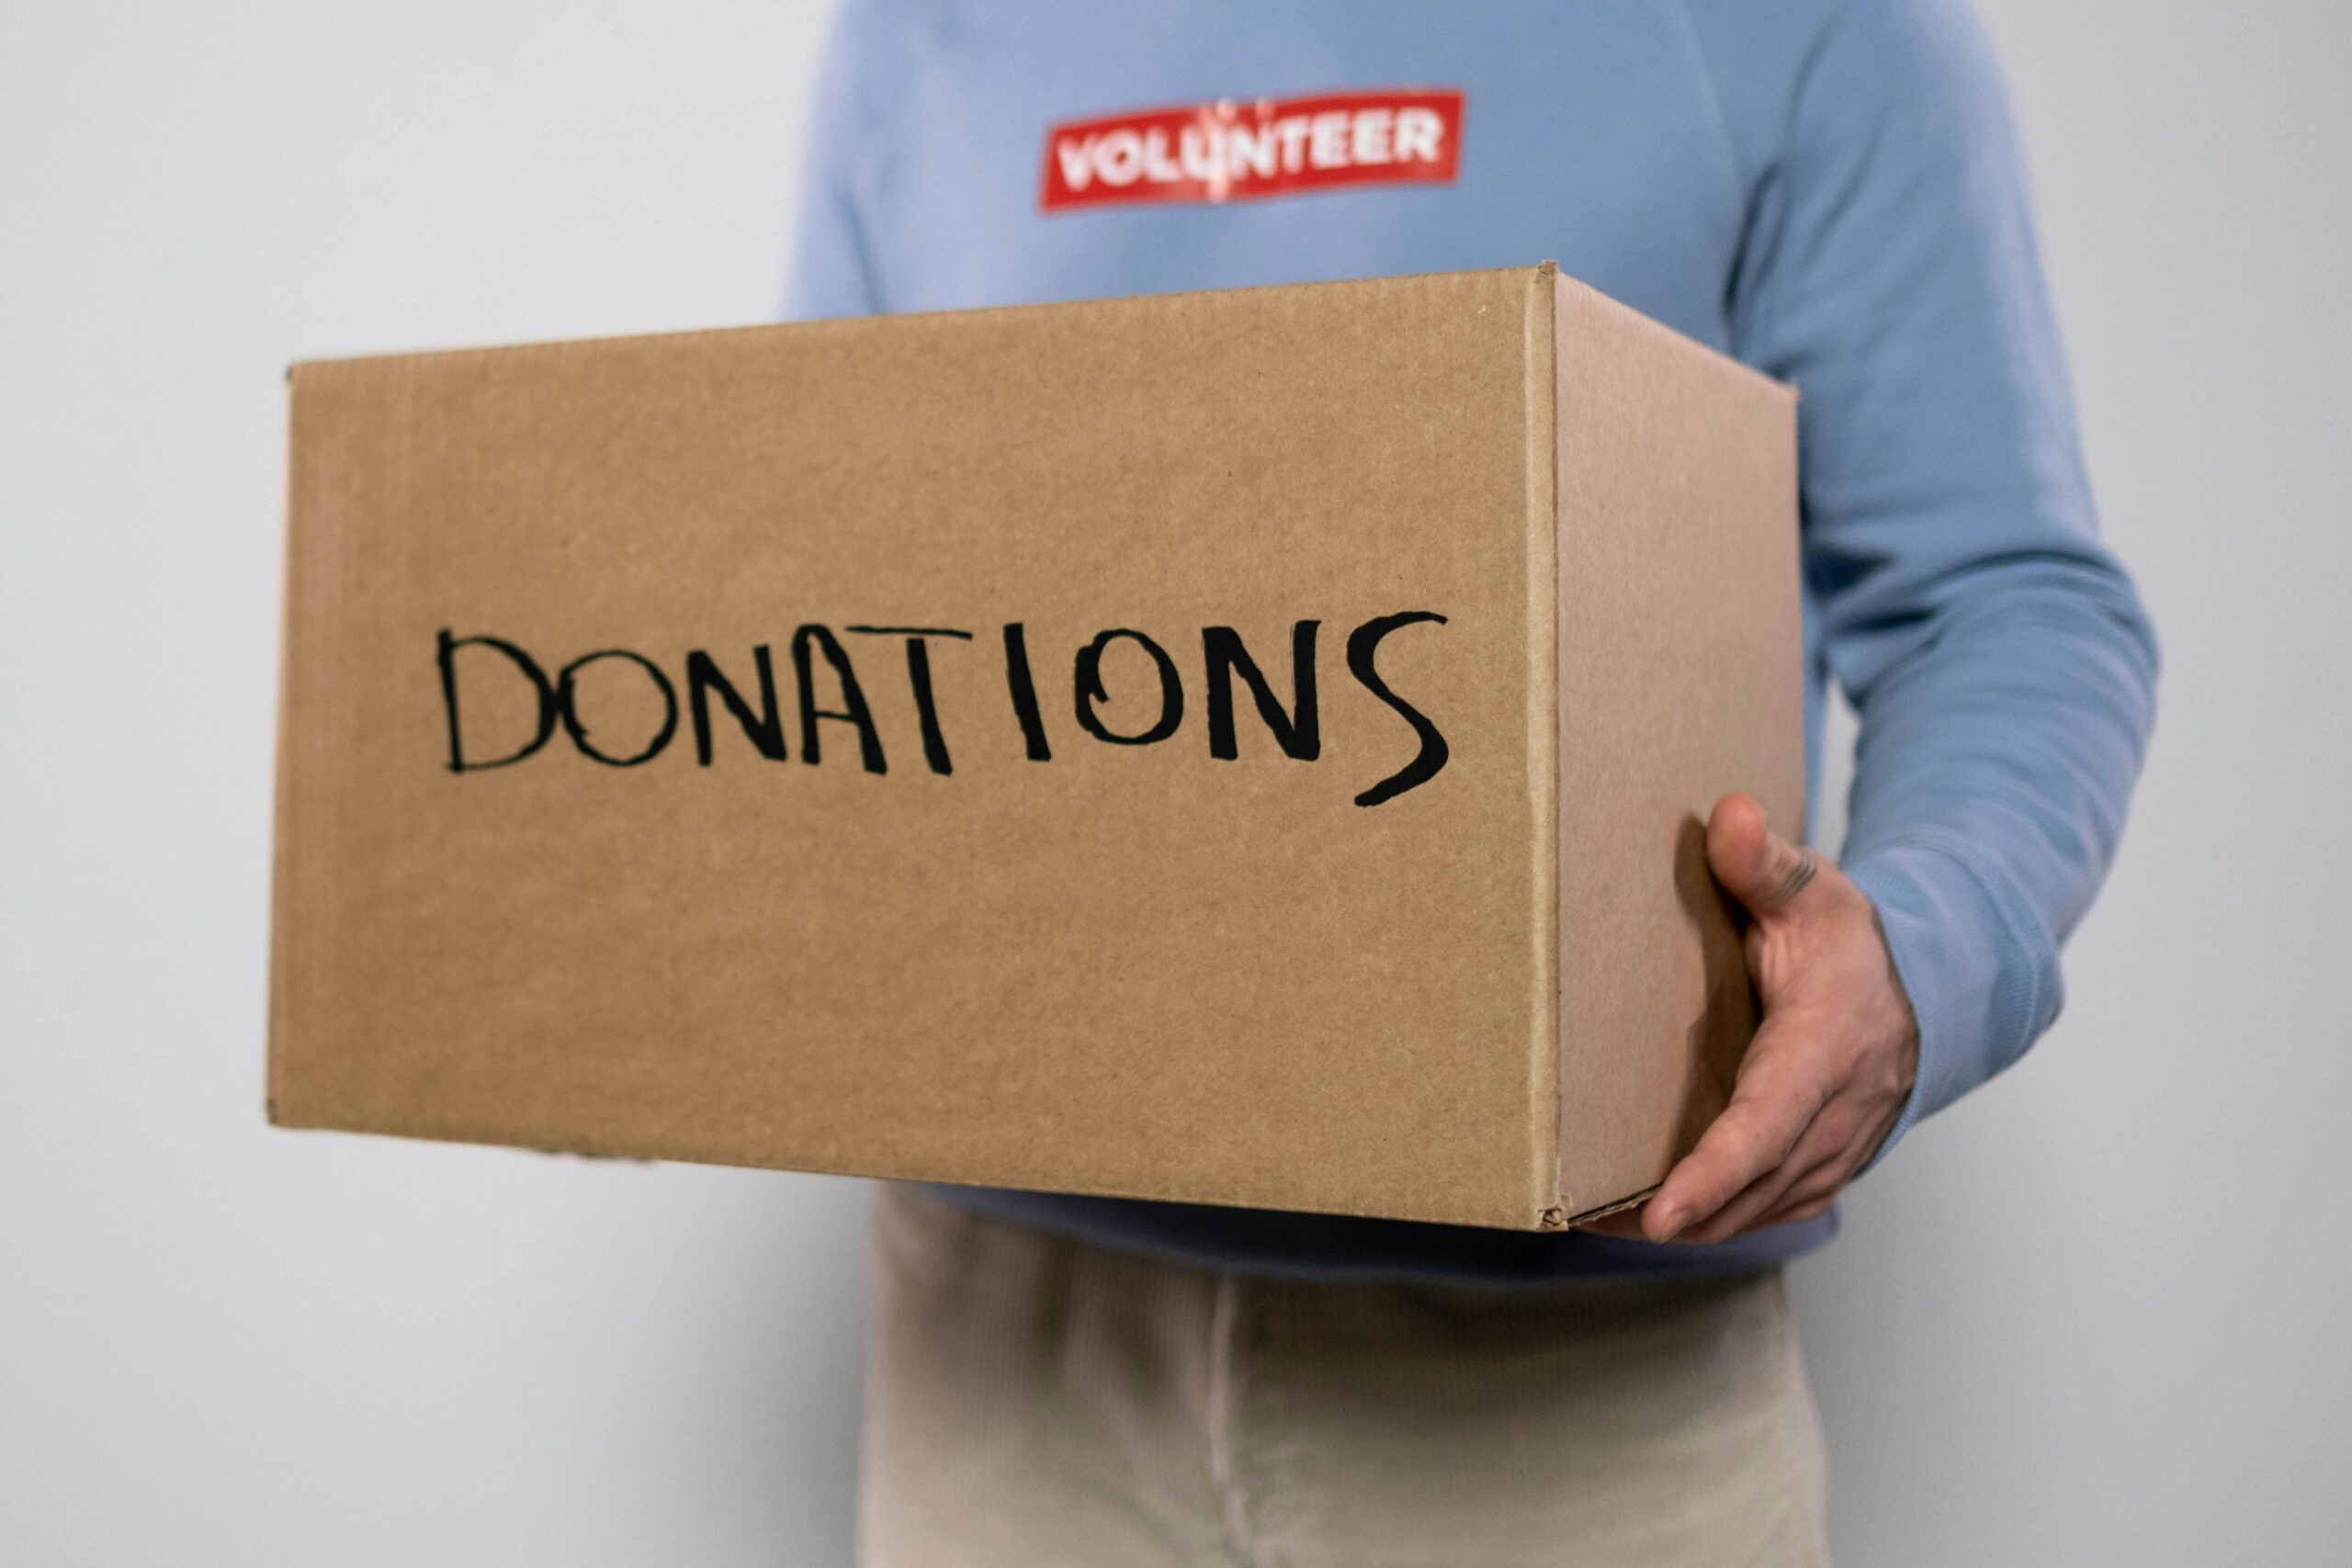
[(1829, 190)]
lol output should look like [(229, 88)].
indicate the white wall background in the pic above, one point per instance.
[(2092, 1316)]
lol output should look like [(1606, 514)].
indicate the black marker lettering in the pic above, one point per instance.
[(1025, 693), (1296, 726), (765, 729), (565, 697), (1090, 690), (1298, 732), (1362, 644), (447, 650), (852, 710), (934, 743)]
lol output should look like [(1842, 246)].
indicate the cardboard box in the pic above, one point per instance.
[(1289, 795)]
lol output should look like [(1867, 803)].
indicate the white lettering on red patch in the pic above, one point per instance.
[(1230, 150)]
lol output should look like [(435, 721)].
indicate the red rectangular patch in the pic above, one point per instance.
[(1229, 151)]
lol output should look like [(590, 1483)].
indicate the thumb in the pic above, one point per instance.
[(1756, 865)]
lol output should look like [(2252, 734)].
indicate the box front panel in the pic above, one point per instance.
[(836, 747)]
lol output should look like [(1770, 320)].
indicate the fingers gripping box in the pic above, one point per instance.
[(1242, 748)]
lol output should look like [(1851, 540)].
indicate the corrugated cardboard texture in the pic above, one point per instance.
[(1137, 969), (1679, 665), (1048, 918)]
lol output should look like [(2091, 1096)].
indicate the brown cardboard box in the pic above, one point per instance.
[(618, 814)]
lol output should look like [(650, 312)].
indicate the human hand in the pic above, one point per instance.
[(1832, 1063)]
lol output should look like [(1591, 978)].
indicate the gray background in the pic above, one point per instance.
[(2094, 1316)]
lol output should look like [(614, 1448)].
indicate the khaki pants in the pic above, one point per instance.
[(1037, 1401)]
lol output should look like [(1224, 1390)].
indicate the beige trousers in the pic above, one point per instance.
[(1038, 1402)]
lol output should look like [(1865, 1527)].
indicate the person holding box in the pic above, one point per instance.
[(1830, 191)]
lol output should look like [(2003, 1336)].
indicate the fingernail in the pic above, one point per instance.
[(1673, 1220)]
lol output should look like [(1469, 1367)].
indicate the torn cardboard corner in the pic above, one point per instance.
[(1242, 748)]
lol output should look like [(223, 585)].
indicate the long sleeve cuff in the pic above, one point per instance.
[(1981, 972)]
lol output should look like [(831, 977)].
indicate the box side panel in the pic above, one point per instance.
[(1680, 681), (1102, 923), (1544, 741)]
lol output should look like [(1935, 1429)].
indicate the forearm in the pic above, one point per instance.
[(1996, 761)]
